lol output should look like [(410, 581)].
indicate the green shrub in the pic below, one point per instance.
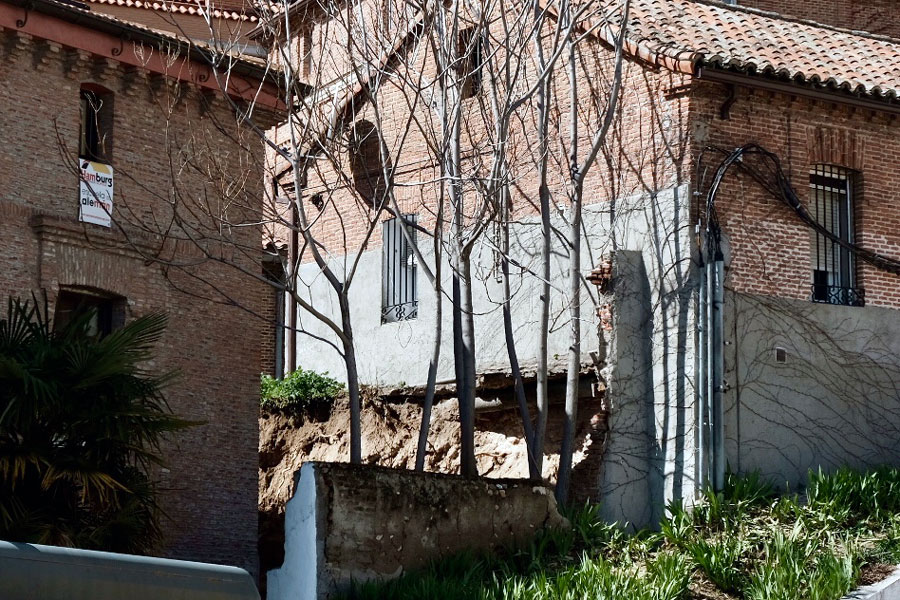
[(719, 560), (848, 496), (677, 526), (298, 392), (799, 567), (671, 576)]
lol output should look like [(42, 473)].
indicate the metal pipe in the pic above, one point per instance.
[(717, 356), (710, 376), (702, 376)]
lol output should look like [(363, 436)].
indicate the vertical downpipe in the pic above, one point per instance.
[(702, 383), (718, 368), (708, 417)]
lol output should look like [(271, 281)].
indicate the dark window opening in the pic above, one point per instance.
[(400, 296), (96, 125), (471, 53), (367, 163), (107, 313), (273, 270), (834, 265)]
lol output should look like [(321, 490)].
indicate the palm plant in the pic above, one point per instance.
[(81, 422)]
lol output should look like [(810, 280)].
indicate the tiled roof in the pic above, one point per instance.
[(686, 34), (236, 10)]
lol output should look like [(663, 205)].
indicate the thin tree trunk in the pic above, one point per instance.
[(534, 471), (352, 384), (422, 450), (574, 355), (544, 319), (468, 465), (573, 374)]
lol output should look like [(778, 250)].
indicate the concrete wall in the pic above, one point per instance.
[(351, 523), (835, 400), (394, 353), (649, 369)]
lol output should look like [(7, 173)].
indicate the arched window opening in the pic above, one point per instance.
[(471, 51), (366, 164)]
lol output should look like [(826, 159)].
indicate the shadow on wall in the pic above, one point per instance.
[(814, 385)]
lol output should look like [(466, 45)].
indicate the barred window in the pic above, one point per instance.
[(834, 265), (400, 297)]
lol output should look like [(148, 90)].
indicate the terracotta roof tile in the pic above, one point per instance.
[(237, 10), (686, 34)]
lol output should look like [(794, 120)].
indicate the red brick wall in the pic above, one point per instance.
[(874, 16), (648, 147), (770, 246), (210, 481)]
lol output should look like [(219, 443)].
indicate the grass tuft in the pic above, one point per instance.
[(745, 540)]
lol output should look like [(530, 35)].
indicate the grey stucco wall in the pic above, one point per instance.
[(649, 363), (394, 353), (655, 225), (835, 400), (650, 369), (357, 523)]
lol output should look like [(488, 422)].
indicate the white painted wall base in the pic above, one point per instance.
[(889, 589)]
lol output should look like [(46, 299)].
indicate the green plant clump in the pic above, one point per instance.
[(743, 542), (298, 392)]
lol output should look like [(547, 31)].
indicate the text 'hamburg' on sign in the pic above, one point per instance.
[(96, 193)]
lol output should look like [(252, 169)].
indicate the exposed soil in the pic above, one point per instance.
[(389, 438), (873, 573)]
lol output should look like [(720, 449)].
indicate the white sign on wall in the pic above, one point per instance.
[(96, 194)]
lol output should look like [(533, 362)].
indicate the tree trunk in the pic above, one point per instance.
[(468, 465), (573, 373), (422, 450), (534, 471), (352, 384), (544, 299)]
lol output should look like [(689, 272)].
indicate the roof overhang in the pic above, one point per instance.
[(137, 46), (796, 88)]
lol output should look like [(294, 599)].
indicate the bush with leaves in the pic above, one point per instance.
[(81, 422), (298, 392), (741, 543)]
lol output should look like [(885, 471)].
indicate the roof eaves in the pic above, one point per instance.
[(801, 86), (138, 33)]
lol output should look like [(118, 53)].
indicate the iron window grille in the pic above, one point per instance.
[(834, 265), (400, 296)]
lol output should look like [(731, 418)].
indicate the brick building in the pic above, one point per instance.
[(80, 85), (782, 358)]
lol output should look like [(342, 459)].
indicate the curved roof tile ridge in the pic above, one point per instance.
[(683, 35)]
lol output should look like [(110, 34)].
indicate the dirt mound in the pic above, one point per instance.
[(389, 438)]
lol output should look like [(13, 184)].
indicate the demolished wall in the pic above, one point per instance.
[(354, 523), (389, 431)]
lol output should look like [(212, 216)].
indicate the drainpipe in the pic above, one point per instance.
[(702, 376), (717, 367)]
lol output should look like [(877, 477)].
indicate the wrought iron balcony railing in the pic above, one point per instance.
[(833, 294)]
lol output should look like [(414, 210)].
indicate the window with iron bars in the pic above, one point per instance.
[(400, 296), (834, 265)]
